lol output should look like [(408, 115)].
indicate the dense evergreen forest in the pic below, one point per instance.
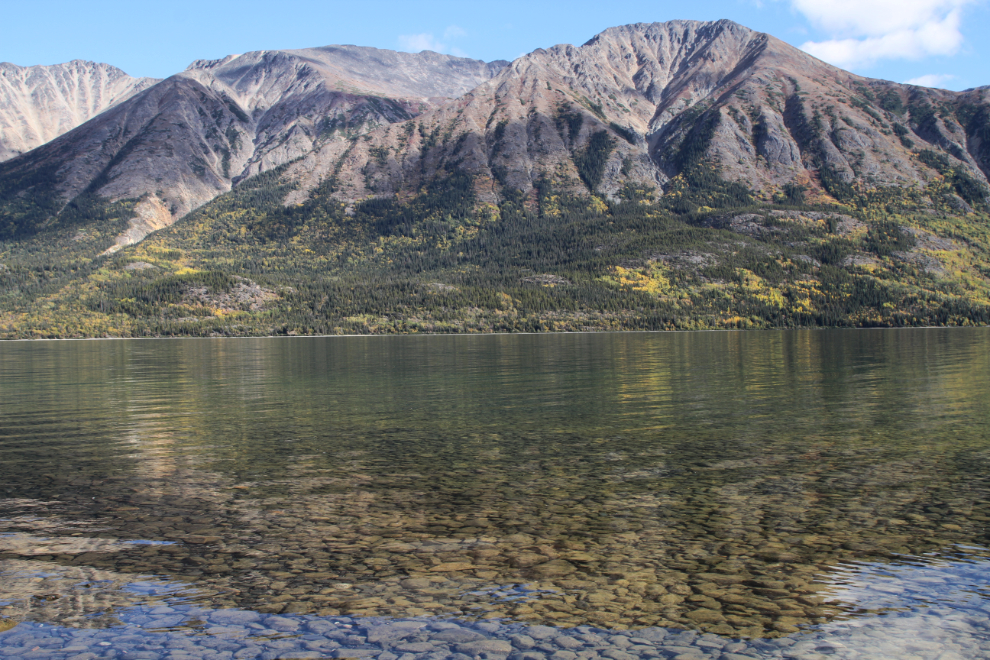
[(707, 254)]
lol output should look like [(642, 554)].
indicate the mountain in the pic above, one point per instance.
[(302, 98), (39, 103), (646, 107), (190, 137), (641, 105), (675, 175)]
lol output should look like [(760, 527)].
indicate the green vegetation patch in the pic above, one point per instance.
[(962, 182), (591, 161)]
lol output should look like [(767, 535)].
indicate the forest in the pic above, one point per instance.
[(708, 254)]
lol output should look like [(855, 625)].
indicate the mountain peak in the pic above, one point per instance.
[(38, 103), (210, 64), (669, 98)]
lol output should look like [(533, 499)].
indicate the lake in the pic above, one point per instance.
[(730, 495)]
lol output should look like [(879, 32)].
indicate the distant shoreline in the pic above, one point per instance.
[(504, 334)]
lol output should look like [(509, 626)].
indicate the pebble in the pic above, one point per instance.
[(616, 654), (563, 655), (542, 632), (282, 624), (393, 631), (488, 646), (415, 647), (529, 655), (458, 635), (355, 653), (567, 642), (234, 617)]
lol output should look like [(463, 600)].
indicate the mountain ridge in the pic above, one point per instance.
[(660, 98), (756, 140), (193, 135)]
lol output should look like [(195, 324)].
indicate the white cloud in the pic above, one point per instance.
[(865, 31), (415, 43), (931, 80)]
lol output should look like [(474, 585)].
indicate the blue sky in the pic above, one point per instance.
[(935, 42)]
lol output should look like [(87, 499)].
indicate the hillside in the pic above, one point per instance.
[(674, 175)]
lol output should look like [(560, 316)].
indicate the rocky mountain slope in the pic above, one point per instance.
[(39, 103), (639, 105), (299, 99), (192, 136), (646, 109)]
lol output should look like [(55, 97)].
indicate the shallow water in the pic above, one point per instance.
[(698, 495)]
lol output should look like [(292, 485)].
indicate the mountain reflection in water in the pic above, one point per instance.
[(689, 491)]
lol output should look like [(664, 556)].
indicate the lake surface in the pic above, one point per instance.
[(806, 494)]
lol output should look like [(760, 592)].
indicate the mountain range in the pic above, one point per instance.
[(190, 137), (683, 118)]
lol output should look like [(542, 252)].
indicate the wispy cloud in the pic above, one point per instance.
[(866, 31), (415, 43), (931, 80)]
